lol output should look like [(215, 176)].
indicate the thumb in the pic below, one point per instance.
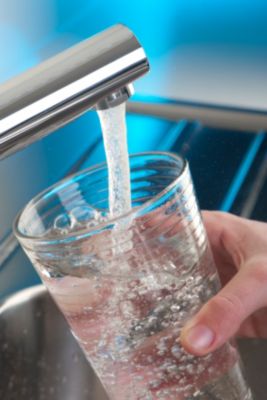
[(220, 318)]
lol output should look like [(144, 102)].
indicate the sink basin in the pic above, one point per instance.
[(40, 360)]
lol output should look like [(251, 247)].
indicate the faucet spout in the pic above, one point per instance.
[(97, 72), (116, 98)]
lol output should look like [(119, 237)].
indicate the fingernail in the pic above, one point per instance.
[(199, 337)]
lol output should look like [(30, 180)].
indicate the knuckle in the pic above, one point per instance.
[(228, 305)]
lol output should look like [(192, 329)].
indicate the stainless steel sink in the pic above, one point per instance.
[(40, 360)]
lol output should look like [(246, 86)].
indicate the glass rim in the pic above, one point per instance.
[(78, 235)]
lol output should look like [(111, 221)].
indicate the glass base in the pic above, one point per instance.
[(230, 386)]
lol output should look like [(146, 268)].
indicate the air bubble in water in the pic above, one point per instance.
[(83, 214), (97, 219), (63, 223)]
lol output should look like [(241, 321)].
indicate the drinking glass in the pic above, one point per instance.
[(127, 285)]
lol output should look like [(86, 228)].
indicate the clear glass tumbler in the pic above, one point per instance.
[(127, 286)]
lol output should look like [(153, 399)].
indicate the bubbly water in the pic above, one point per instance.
[(126, 304), (127, 315), (115, 141)]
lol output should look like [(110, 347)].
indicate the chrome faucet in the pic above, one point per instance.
[(98, 72)]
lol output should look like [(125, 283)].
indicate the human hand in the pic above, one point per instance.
[(239, 247)]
